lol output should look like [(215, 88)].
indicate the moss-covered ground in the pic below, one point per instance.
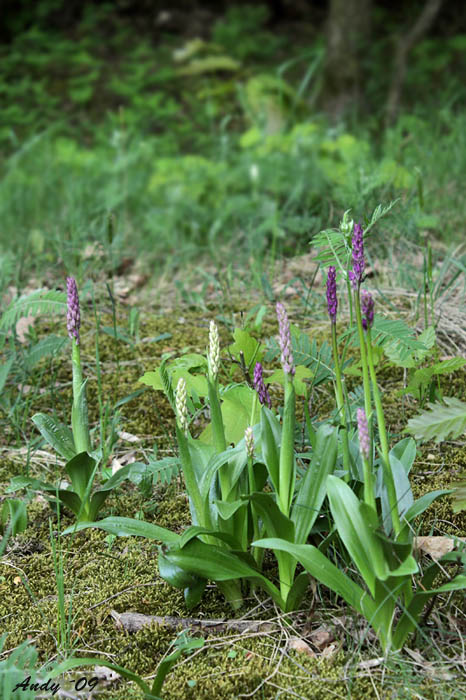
[(102, 573)]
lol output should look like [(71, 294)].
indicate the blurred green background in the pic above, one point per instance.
[(204, 129)]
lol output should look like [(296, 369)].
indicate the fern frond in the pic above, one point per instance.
[(398, 333), (378, 213), (41, 301), (442, 420), (50, 345)]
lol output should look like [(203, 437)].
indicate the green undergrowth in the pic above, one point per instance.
[(102, 573)]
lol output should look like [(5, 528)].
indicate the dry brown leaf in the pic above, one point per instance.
[(129, 437), (22, 326), (436, 546), (322, 637), (300, 645)]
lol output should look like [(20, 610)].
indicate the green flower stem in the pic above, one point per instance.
[(341, 405), (256, 553), (365, 369), (350, 299), (287, 468), (218, 434), (79, 416), (369, 495), (388, 475)]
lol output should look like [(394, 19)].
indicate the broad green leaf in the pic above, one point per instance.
[(419, 506), (195, 530), (252, 350), (313, 486), (442, 421), (324, 571), (405, 452), (59, 436), (236, 410), (129, 527), (227, 509), (302, 373), (356, 533), (80, 469), (14, 510), (276, 524), (271, 435), (459, 497), (218, 564)]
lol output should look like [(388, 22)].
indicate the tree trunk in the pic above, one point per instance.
[(348, 28), (404, 46)]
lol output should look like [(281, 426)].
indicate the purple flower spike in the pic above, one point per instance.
[(284, 339), (259, 386), (332, 301), (367, 308), (363, 430), (73, 317), (357, 243)]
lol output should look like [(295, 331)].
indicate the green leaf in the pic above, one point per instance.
[(356, 533), (302, 373), (236, 409), (275, 522), (459, 497), (128, 527), (59, 436), (324, 571), (313, 486), (252, 350), (14, 510), (441, 421), (227, 509), (218, 564), (405, 452), (419, 506), (271, 435), (81, 469)]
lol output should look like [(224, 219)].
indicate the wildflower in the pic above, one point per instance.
[(214, 350), (284, 340), (73, 317), (181, 405), (367, 308), (357, 243), (259, 386), (249, 439), (363, 431), (332, 301)]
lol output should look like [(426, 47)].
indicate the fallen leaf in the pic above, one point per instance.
[(22, 326), (300, 645), (129, 437), (322, 637), (17, 580), (436, 546)]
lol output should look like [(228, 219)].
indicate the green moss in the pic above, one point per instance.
[(101, 575)]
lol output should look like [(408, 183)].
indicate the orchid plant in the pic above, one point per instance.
[(374, 529), (73, 444), (226, 485)]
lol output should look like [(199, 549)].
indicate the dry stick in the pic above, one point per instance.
[(132, 622), (405, 45)]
